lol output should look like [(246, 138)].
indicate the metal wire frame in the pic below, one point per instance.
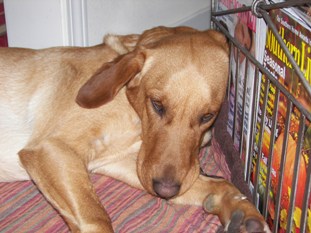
[(262, 11)]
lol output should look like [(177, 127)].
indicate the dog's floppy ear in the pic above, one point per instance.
[(103, 86)]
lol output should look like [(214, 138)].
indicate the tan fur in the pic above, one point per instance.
[(116, 130)]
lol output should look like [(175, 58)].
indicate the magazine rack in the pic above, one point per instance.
[(261, 9)]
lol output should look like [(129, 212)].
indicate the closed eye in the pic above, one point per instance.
[(158, 107), (206, 118)]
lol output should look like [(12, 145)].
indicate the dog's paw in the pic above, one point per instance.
[(251, 222), (240, 223)]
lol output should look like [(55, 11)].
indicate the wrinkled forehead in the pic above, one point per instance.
[(182, 87), (188, 83), (191, 78), (207, 60)]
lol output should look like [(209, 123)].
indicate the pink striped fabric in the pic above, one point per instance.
[(24, 209)]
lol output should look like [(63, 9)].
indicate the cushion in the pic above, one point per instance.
[(24, 209)]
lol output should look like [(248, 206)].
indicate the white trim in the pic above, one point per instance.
[(74, 22), (85, 40), (67, 28)]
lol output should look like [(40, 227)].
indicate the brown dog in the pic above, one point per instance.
[(150, 99)]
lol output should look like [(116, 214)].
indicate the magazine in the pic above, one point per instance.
[(242, 26), (298, 40)]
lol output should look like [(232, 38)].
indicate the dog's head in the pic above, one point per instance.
[(176, 81)]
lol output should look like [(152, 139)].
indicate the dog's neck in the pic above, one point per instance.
[(123, 137)]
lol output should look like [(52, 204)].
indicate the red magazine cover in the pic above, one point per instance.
[(242, 26)]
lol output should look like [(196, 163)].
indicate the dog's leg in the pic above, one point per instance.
[(221, 198), (62, 177), (123, 170)]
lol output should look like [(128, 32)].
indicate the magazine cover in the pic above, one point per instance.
[(242, 26), (298, 40)]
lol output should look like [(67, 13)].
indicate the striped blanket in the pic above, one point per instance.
[(24, 209)]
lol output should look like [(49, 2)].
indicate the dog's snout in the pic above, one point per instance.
[(166, 188)]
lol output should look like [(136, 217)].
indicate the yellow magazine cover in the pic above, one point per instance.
[(298, 40)]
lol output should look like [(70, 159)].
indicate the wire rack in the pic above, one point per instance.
[(261, 9)]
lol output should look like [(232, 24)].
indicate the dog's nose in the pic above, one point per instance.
[(166, 188)]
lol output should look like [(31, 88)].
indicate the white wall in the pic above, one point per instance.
[(45, 23), (133, 16), (33, 23)]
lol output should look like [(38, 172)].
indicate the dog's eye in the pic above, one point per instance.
[(206, 118), (158, 107)]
